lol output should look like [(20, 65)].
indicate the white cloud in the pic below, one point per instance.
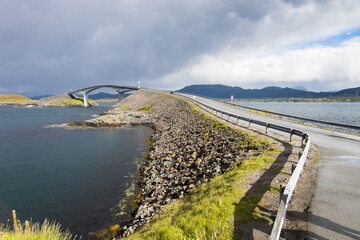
[(337, 67)]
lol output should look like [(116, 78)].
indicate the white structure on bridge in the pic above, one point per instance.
[(121, 90)]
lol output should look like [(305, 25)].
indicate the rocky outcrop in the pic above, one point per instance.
[(187, 149)]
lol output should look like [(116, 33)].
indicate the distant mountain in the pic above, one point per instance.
[(300, 88), (102, 95), (40, 97), (222, 91), (350, 92)]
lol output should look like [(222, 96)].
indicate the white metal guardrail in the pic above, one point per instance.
[(289, 189)]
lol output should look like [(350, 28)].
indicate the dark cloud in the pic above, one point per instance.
[(50, 46)]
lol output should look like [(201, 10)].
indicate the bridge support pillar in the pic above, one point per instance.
[(86, 99), (121, 95)]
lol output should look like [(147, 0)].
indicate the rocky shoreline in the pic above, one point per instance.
[(187, 149)]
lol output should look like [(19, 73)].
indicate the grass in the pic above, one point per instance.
[(124, 108), (46, 231), (72, 101), (210, 210), (146, 108), (79, 101), (14, 98)]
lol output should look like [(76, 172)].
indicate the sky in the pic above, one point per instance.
[(52, 46)]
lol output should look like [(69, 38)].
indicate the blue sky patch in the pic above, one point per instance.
[(336, 40)]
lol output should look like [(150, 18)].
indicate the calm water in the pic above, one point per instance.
[(347, 113), (74, 176)]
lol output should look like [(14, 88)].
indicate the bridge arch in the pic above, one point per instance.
[(121, 90)]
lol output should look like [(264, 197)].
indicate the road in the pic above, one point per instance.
[(335, 208)]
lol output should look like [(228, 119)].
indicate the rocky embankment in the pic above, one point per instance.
[(187, 149)]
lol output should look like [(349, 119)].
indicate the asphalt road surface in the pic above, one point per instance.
[(335, 208)]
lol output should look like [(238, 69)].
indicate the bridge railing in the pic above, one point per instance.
[(290, 187)]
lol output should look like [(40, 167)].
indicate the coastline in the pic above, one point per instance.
[(182, 140), (187, 149)]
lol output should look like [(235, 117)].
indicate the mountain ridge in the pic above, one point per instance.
[(223, 91)]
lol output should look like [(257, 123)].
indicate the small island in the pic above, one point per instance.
[(62, 100), (15, 99)]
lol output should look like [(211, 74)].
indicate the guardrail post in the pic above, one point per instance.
[(303, 139), (291, 134), (267, 127), (281, 191), (237, 120), (229, 116), (249, 123)]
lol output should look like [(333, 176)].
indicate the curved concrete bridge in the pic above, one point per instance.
[(121, 90)]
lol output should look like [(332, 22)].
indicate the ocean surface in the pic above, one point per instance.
[(339, 112), (74, 176)]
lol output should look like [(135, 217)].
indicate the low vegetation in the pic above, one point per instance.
[(210, 210), (146, 108), (15, 98), (46, 231), (77, 101)]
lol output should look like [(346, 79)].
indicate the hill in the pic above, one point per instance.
[(14, 98), (223, 91)]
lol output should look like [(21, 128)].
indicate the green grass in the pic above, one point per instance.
[(146, 108), (46, 231), (79, 101), (208, 212), (72, 101), (14, 98), (124, 108)]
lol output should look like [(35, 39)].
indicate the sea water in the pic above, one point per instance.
[(74, 176), (339, 112)]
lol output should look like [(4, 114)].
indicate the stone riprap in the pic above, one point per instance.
[(187, 149)]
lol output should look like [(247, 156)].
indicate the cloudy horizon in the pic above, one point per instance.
[(50, 47)]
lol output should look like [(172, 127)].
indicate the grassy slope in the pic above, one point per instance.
[(13, 98), (78, 101), (209, 211)]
